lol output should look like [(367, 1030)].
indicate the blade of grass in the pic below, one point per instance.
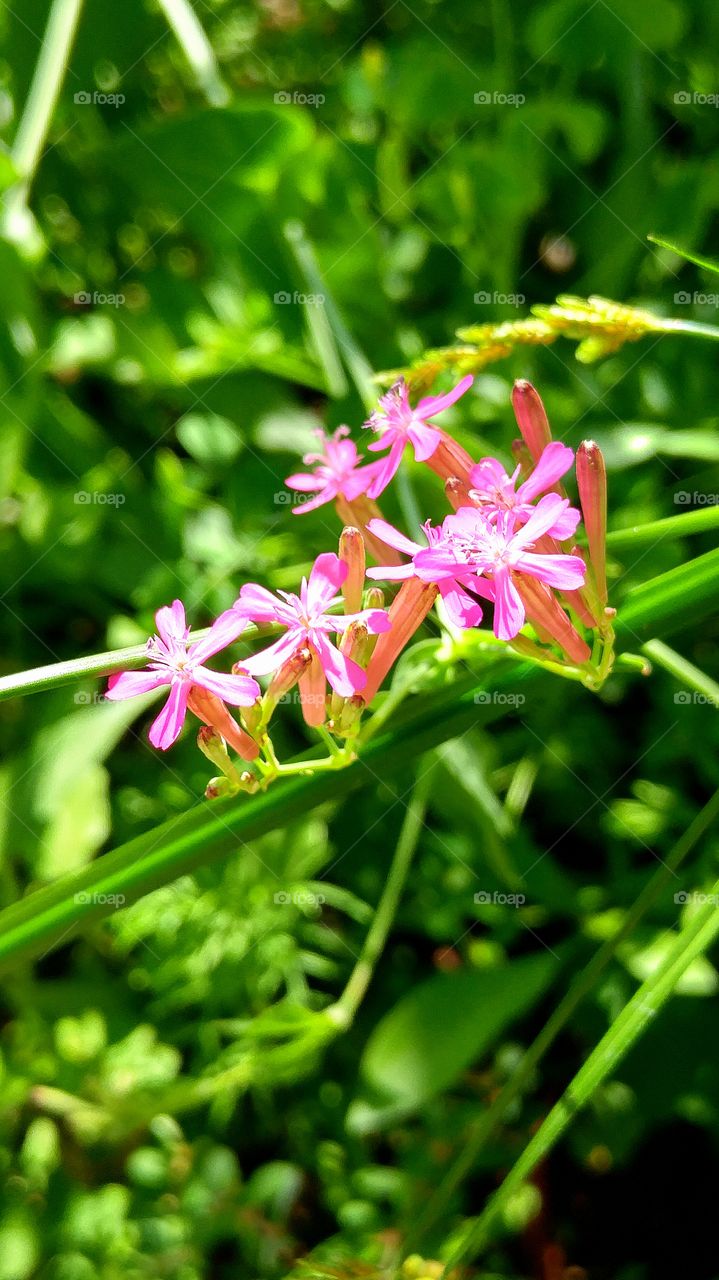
[(683, 670), (672, 527), (670, 602), (585, 982), (38, 111), (697, 935), (190, 36)]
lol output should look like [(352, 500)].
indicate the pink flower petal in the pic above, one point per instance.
[(166, 728), (171, 623), (328, 574), (462, 610), (223, 631), (555, 461), (508, 608), (389, 469), (431, 405), (304, 481), (545, 514), (345, 676), (239, 691), (565, 572), (257, 603), (128, 684), (424, 440), (269, 659), (387, 533)]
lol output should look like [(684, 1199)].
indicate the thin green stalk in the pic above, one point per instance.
[(638, 1014), (673, 526), (682, 670), (586, 981), (359, 367), (196, 47), (691, 326), (41, 101), (345, 1009)]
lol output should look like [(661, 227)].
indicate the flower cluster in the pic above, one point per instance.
[(506, 543)]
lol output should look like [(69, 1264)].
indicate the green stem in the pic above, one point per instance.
[(344, 1010), (682, 670), (638, 1014), (585, 982), (673, 526), (196, 47), (40, 105), (691, 326)]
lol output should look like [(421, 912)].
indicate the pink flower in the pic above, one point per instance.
[(495, 491), (399, 423), (471, 541), (179, 664), (309, 624), (337, 472), (462, 610)]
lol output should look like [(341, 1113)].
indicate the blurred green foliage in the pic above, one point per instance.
[(159, 374)]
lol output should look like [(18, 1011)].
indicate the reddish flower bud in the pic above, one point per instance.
[(212, 711), (592, 485), (531, 417), (352, 553), (406, 613), (547, 616)]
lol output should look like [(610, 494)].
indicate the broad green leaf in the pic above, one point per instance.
[(425, 1042)]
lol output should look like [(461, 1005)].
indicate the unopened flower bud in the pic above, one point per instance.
[(283, 680), (352, 553), (252, 717), (212, 711), (523, 457), (350, 715), (592, 485), (458, 493), (220, 788), (374, 598), (531, 417), (406, 613), (548, 618)]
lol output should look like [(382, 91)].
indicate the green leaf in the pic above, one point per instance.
[(425, 1042)]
